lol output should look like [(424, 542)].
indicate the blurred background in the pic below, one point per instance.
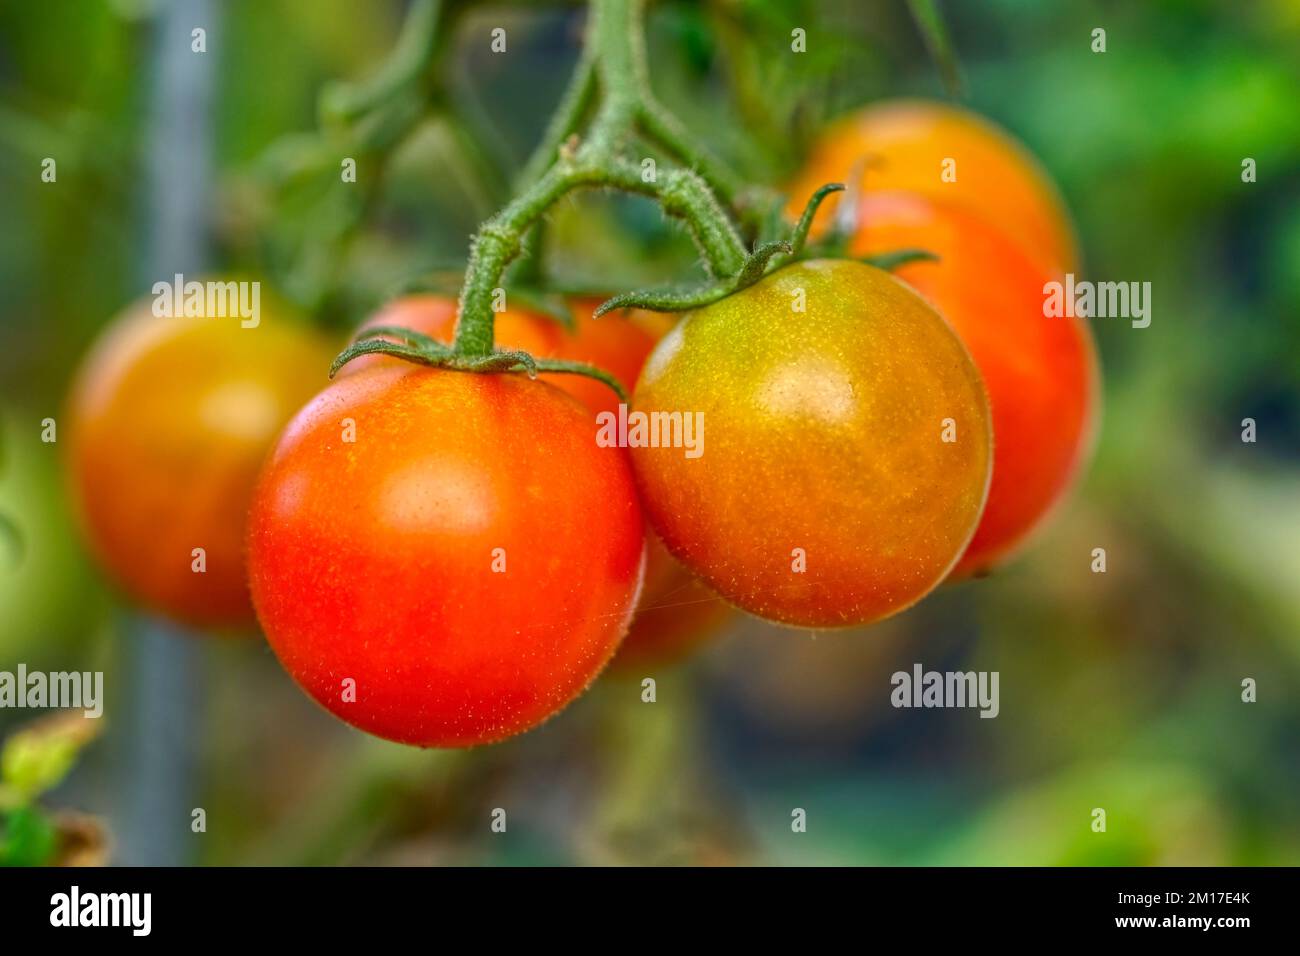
[(1119, 690)]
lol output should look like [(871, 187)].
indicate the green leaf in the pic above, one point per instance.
[(897, 258), (935, 33), (38, 758), (27, 838)]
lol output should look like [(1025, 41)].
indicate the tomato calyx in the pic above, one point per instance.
[(543, 299), (681, 298), (767, 256), (845, 225), (421, 349)]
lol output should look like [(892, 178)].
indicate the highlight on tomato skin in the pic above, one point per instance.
[(1041, 371), (444, 558), (847, 452), (942, 151), (170, 418)]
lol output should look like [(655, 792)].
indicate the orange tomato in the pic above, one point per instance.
[(170, 421), (903, 144), (1040, 372)]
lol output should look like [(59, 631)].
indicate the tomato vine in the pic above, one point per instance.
[(589, 143)]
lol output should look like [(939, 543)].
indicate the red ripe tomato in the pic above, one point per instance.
[(676, 611), (905, 145), (457, 573), (170, 421), (846, 445), (1040, 371)]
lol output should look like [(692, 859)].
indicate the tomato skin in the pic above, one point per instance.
[(1041, 372), (373, 560), (905, 143), (170, 420), (619, 344), (677, 612), (823, 432)]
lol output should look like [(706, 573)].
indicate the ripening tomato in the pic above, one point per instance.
[(170, 421), (904, 145), (1040, 371), (845, 449), (444, 558), (676, 611)]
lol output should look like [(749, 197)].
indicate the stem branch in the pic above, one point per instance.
[(613, 68)]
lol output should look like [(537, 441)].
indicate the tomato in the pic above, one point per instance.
[(846, 450), (676, 611), (170, 420), (460, 571), (1041, 372), (618, 344), (676, 614), (906, 142)]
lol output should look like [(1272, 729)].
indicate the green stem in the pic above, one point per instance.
[(481, 173), (616, 56), (411, 63)]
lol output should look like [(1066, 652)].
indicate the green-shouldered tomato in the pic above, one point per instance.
[(845, 450)]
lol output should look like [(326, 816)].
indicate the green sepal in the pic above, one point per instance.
[(422, 350)]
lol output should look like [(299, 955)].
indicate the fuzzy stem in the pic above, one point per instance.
[(616, 58)]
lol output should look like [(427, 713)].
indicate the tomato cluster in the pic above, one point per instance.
[(447, 558)]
